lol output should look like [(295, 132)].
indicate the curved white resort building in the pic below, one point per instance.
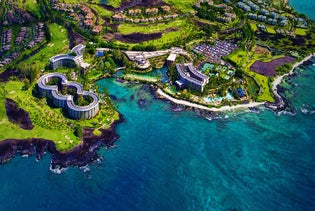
[(191, 78), (66, 101), (70, 59)]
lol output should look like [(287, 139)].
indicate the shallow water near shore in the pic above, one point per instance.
[(176, 160)]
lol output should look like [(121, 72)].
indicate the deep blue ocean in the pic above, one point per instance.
[(169, 160)]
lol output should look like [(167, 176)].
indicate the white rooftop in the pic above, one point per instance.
[(171, 57)]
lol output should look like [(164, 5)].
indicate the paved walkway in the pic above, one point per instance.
[(194, 105)]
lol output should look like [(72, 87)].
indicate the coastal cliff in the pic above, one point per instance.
[(80, 155)]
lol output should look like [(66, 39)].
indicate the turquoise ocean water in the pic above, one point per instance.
[(306, 7), (178, 161), (170, 161)]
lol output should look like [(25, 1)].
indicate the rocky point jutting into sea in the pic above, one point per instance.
[(80, 155)]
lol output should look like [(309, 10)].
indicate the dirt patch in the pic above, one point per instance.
[(18, 115), (268, 68), (109, 36), (261, 50), (172, 29), (137, 37)]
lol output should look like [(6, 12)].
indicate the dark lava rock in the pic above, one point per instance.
[(137, 37), (140, 3), (113, 97), (177, 107), (18, 115), (132, 97), (4, 76), (116, 99), (143, 103)]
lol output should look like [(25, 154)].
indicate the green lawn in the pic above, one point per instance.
[(151, 28), (102, 12), (253, 26), (33, 7), (183, 5), (138, 77), (114, 3), (271, 30), (59, 44), (239, 57), (300, 31)]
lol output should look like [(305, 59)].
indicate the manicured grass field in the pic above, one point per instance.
[(151, 28), (29, 5), (271, 30), (182, 32), (253, 26), (32, 6), (114, 3), (183, 5), (102, 12), (300, 31), (239, 57), (59, 44)]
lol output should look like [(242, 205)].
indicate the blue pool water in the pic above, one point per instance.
[(210, 99), (207, 66)]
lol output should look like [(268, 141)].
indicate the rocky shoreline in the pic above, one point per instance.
[(281, 104), (81, 155)]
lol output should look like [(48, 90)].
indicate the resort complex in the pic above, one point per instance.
[(214, 55), (52, 92), (190, 77), (72, 59)]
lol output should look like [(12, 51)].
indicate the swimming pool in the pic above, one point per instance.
[(207, 66), (216, 99)]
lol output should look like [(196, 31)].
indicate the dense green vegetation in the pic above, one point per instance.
[(183, 5), (208, 12)]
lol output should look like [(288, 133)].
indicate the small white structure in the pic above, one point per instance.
[(171, 59)]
